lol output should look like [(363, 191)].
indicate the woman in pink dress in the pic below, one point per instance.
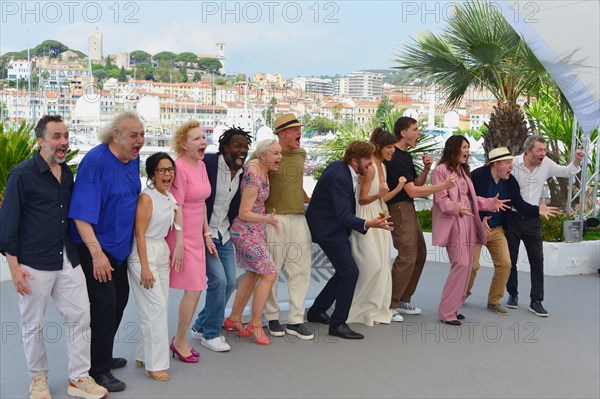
[(187, 241), (454, 225), (248, 236)]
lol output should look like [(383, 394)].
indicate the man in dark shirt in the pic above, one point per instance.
[(490, 180), (407, 235), (34, 236)]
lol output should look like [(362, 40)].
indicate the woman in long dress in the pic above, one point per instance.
[(372, 295), (187, 241), (148, 265)]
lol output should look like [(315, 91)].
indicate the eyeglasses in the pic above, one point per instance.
[(162, 171)]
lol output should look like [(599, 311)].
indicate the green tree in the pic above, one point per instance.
[(186, 57), (269, 112), (51, 48), (182, 74), (164, 73), (211, 65), (321, 124), (197, 77), (336, 111), (478, 48), (122, 75), (139, 56), (165, 56), (99, 74), (144, 71), (16, 145), (109, 63), (384, 107)]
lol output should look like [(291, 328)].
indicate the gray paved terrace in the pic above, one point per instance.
[(491, 356)]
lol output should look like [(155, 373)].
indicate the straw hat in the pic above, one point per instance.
[(284, 121), (499, 154)]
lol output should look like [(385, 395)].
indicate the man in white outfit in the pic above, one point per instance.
[(43, 261)]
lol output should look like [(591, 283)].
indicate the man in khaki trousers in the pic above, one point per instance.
[(490, 180), (291, 248)]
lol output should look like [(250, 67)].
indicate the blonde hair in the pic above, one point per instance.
[(105, 135), (263, 146), (180, 136)]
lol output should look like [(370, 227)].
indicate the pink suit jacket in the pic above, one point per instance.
[(446, 205)]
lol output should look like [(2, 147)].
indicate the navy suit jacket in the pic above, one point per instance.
[(481, 178), (331, 213), (212, 167)]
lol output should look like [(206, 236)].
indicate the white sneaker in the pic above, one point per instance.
[(407, 308), (217, 344), (195, 334), (86, 388), (396, 316), (39, 387)]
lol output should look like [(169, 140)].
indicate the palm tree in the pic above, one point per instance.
[(479, 48)]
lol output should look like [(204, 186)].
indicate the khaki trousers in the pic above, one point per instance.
[(290, 248), (498, 247), (412, 252)]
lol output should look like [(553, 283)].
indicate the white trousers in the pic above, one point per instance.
[(68, 290), (291, 248), (153, 339)]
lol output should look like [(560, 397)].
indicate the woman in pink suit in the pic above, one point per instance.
[(455, 227)]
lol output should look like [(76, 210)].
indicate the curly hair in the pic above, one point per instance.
[(105, 135), (180, 136), (228, 134)]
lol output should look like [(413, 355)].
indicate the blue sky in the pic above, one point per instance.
[(290, 37)]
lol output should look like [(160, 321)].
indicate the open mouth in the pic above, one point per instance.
[(166, 182), (135, 151), (61, 153)]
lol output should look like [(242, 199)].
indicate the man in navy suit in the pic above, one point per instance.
[(331, 217), (224, 170)]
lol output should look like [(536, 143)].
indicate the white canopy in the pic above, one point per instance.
[(565, 37)]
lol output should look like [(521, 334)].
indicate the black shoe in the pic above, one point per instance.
[(343, 331), (299, 330), (110, 382), (452, 322), (460, 316), (275, 329), (537, 308), (322, 317), (117, 363), (513, 301)]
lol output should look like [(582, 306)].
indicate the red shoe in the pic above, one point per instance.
[(235, 325), (262, 339), (186, 359)]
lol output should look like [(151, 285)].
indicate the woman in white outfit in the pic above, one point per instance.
[(149, 265), (371, 251)]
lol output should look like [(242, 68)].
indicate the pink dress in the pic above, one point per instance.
[(190, 188), (249, 238)]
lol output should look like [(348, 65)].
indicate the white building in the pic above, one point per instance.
[(18, 69), (340, 87), (365, 85)]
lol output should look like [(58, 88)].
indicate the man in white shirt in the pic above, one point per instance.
[(224, 170), (532, 169)]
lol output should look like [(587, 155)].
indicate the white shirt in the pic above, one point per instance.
[(532, 183), (225, 190), (163, 213), (354, 184)]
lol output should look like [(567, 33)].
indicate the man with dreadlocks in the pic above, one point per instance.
[(224, 171)]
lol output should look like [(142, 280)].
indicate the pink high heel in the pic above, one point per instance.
[(186, 359)]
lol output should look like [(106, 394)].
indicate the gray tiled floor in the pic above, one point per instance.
[(491, 356)]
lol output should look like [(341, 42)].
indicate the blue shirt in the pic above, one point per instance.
[(33, 218), (494, 188), (105, 195)]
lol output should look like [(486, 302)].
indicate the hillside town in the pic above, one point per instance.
[(62, 81)]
